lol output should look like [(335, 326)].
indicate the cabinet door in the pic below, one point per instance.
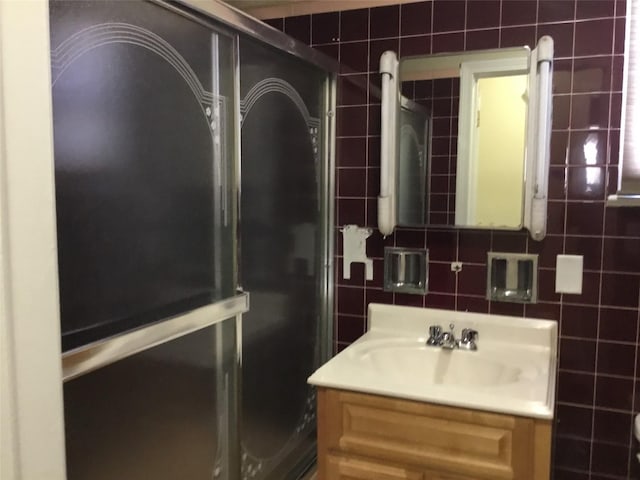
[(342, 468), (461, 443)]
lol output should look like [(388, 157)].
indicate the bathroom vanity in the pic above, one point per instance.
[(392, 407), (362, 436)]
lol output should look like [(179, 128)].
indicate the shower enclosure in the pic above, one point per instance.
[(284, 241), (192, 164)]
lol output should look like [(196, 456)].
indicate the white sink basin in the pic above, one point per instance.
[(513, 370), (422, 364)]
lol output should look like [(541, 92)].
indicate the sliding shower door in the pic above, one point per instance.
[(145, 129), (166, 413), (283, 245)]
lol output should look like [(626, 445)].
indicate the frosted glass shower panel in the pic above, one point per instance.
[(281, 262), (144, 147), (166, 413)]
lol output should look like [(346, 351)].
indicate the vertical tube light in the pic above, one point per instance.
[(389, 70)]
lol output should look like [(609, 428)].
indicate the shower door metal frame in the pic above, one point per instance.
[(254, 28), (237, 20), (251, 27), (241, 22)]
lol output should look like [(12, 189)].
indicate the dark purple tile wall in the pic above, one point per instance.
[(599, 374), (442, 98)]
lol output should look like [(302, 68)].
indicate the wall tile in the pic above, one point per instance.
[(613, 392), (624, 222), (594, 9), (554, 11), (442, 245), (483, 14), (482, 39), (384, 22), (594, 37), (610, 459), (618, 325), (579, 321), (559, 147), (349, 328), (415, 18), (590, 111), (447, 42), (519, 12), (474, 245), (619, 35), (351, 301), (325, 28), (616, 359), (612, 427), (562, 34), (472, 304), (472, 280), (355, 55), (574, 421), (518, 36), (277, 23), (592, 74), (577, 355), (543, 310), (298, 27), (576, 388), (441, 278), (572, 453), (448, 15), (621, 254), (351, 152), (354, 25), (418, 45), (620, 290), (584, 218), (589, 247), (599, 329), (588, 148)]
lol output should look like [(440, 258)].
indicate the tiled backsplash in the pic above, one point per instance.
[(599, 387)]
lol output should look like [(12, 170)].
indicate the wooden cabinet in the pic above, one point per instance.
[(370, 437)]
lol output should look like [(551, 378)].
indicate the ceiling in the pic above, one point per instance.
[(288, 8)]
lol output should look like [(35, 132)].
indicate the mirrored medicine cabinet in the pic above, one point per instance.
[(465, 139)]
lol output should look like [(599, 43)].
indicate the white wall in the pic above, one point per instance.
[(31, 415), (501, 150)]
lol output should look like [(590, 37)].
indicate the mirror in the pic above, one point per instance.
[(471, 138)]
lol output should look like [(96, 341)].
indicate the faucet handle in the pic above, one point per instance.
[(435, 332), (468, 339), (469, 335)]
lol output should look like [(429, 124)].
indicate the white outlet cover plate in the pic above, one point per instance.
[(569, 274)]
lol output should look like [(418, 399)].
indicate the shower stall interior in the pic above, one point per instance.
[(193, 163)]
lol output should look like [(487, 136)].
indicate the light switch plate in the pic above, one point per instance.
[(569, 273)]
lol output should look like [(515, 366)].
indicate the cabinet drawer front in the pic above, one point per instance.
[(341, 468), (463, 442)]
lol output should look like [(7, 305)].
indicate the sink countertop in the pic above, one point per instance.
[(513, 371)]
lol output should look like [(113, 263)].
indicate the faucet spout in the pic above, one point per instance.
[(448, 339)]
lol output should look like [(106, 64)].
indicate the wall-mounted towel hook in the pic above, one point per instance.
[(355, 250)]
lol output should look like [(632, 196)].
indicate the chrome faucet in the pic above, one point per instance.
[(447, 340)]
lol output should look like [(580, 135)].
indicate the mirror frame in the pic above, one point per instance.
[(539, 67)]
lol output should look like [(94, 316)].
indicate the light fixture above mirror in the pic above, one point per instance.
[(465, 139)]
